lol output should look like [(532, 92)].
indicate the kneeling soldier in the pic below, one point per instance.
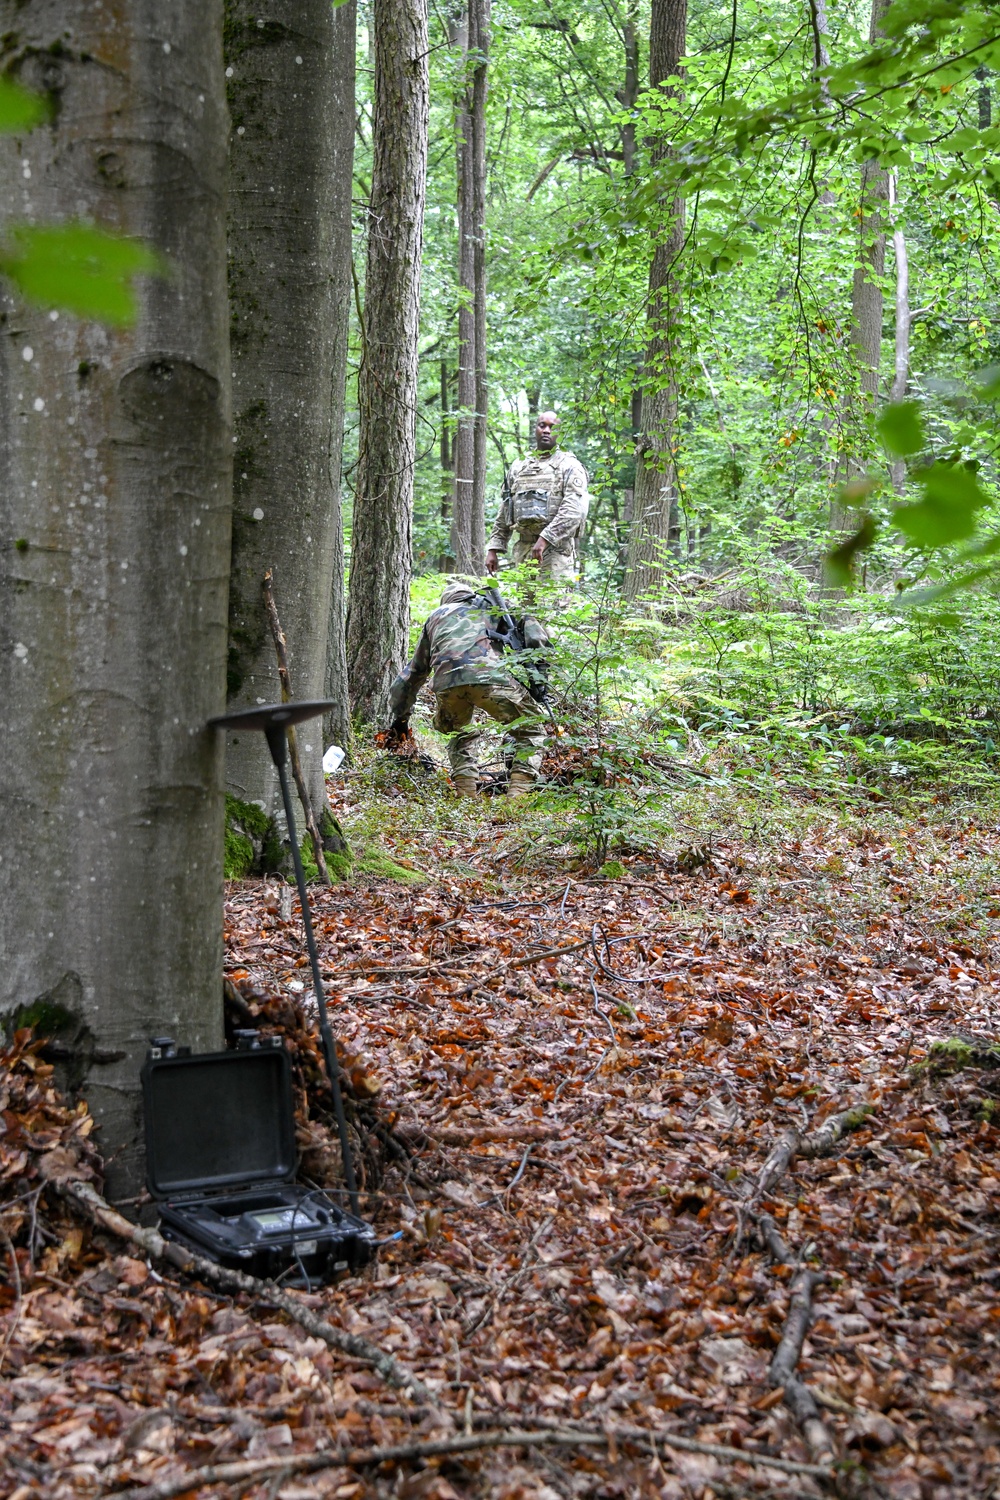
[(469, 673)]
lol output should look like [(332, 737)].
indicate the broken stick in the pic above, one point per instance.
[(152, 1244), (281, 648), (355, 1458)]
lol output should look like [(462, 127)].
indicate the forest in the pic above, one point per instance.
[(663, 1075)]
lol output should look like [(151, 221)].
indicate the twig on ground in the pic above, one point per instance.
[(602, 1013), (15, 1316), (152, 1244), (612, 973), (521, 963), (357, 1458)]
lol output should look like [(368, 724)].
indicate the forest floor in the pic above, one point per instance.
[(583, 1134)]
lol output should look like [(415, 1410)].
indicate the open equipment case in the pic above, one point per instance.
[(221, 1160)]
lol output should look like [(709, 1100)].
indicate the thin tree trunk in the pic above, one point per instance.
[(468, 530), (656, 487), (465, 442), (378, 610), (115, 477), (866, 314), (904, 322), (628, 94), (291, 98), (479, 43), (866, 290), (447, 447)]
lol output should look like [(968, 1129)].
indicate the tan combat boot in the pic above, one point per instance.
[(521, 783), (465, 786)]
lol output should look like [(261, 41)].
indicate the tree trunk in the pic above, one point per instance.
[(379, 604), (290, 71), (115, 481), (628, 94), (904, 321), (468, 517), (479, 42), (337, 725), (461, 515), (446, 560), (866, 290), (656, 473)]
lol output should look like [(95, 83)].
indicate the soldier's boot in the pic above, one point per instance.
[(465, 786), (521, 782)]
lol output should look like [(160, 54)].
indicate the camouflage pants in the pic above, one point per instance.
[(506, 704), (559, 566)]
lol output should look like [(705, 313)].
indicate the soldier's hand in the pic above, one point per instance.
[(538, 550), (492, 561)]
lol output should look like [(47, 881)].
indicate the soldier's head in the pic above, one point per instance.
[(458, 591), (547, 431)]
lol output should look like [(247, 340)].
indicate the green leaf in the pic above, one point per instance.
[(947, 513), (19, 109), (901, 429), (839, 564), (79, 268)]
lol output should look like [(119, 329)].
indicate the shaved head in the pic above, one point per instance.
[(545, 430)]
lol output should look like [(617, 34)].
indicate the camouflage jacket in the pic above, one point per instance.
[(455, 646), (545, 496)]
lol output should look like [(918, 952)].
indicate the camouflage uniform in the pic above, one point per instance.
[(469, 673), (544, 496)]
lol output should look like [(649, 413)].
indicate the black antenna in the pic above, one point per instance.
[(274, 719)]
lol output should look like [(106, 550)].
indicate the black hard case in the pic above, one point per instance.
[(221, 1160)]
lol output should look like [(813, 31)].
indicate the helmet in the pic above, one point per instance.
[(458, 591)]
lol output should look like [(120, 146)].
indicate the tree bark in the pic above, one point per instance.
[(290, 68), (115, 504), (904, 322), (866, 289), (656, 488), (479, 42), (468, 530), (379, 602)]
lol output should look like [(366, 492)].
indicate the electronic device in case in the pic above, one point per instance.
[(221, 1161)]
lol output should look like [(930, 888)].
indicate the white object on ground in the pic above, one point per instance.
[(333, 759)]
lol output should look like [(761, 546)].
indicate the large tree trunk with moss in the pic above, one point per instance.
[(656, 487), (115, 500), (378, 611), (290, 80)]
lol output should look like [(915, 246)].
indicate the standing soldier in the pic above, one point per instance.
[(544, 506), (468, 671)]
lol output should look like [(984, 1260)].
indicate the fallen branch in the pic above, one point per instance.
[(798, 1397), (357, 1458), (459, 1136), (521, 963), (153, 1245), (820, 1142), (776, 1165)]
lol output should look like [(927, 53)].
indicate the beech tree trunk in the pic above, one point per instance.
[(468, 532), (656, 488), (866, 290), (378, 610), (290, 80), (115, 500), (904, 323)]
